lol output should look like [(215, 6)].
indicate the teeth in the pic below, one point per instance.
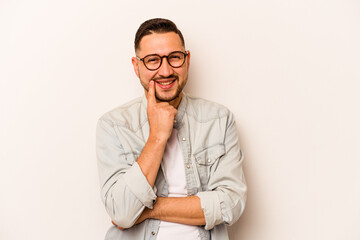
[(165, 83)]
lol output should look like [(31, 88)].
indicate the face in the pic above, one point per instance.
[(169, 81)]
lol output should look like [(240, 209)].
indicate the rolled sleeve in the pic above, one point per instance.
[(210, 205), (124, 188), (139, 186), (225, 199)]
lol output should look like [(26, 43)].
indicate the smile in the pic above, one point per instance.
[(166, 83)]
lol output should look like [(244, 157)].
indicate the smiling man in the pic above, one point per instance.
[(170, 165)]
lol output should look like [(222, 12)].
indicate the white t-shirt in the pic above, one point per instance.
[(173, 166)]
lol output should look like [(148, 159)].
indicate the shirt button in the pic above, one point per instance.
[(184, 139), (209, 160), (188, 166), (152, 233)]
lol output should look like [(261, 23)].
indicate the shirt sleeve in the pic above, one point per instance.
[(225, 200), (125, 191)]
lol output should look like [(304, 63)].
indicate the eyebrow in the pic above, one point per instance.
[(184, 51)]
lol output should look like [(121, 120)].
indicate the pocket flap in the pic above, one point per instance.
[(209, 155)]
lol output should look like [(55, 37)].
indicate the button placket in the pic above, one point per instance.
[(187, 161)]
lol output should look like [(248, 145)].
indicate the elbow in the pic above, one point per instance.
[(122, 206), (237, 212), (123, 221), (123, 216), (238, 209)]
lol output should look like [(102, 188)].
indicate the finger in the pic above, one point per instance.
[(174, 112), (170, 108), (163, 104), (151, 93)]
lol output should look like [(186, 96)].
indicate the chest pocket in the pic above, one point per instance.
[(206, 162)]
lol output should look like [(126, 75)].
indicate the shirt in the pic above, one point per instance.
[(212, 160), (173, 169)]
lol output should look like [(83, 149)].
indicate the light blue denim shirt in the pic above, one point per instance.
[(212, 161)]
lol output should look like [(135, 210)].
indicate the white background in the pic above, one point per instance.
[(289, 70)]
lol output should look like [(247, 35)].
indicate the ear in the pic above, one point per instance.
[(188, 58), (135, 64)]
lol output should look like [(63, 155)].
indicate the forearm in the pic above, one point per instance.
[(125, 190), (150, 158), (185, 210), (161, 120)]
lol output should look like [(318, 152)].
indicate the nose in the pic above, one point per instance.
[(165, 69)]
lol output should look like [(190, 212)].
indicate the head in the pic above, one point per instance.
[(161, 37)]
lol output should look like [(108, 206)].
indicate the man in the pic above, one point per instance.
[(170, 165)]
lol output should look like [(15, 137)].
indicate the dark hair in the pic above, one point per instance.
[(156, 25)]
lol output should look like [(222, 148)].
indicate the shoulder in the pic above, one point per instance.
[(131, 114), (205, 110)]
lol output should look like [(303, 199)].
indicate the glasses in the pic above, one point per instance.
[(153, 61)]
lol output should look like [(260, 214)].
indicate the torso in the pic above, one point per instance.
[(173, 167)]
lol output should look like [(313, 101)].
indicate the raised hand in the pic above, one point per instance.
[(161, 116)]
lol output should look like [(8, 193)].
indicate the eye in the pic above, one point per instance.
[(152, 59), (175, 56)]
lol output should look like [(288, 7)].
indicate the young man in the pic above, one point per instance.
[(170, 165)]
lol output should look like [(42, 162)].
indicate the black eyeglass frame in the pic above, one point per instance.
[(161, 59)]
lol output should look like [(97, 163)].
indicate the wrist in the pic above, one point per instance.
[(157, 139), (154, 212)]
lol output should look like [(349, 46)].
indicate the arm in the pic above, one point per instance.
[(185, 210), (161, 121), (125, 191), (225, 200), (127, 187)]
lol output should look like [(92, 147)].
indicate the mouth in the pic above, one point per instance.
[(166, 84)]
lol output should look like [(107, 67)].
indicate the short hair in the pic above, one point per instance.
[(156, 25)]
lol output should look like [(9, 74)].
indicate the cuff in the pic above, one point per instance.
[(139, 186), (210, 204)]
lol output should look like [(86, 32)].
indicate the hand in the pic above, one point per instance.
[(161, 115)]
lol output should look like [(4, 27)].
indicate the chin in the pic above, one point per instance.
[(167, 98)]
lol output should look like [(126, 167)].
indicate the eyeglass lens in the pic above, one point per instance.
[(175, 59)]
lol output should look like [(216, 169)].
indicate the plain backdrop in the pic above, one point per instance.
[(289, 71)]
